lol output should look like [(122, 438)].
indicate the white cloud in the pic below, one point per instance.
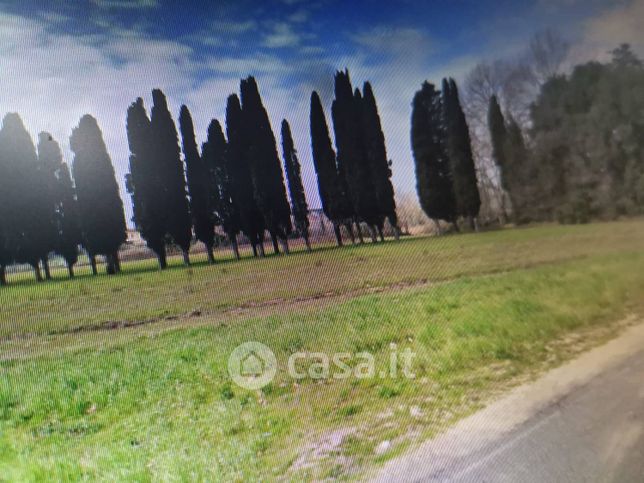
[(299, 16), (281, 36), (232, 27), (52, 79), (395, 41)]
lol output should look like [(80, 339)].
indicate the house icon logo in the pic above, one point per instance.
[(252, 365)]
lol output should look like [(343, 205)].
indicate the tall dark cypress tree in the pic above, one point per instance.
[(200, 185), (369, 210), (215, 156), (498, 139), (266, 172), (299, 207), (165, 145), (250, 217), (433, 175), (6, 208), (101, 214), (376, 154), (68, 231), (352, 164), (50, 160), (335, 202), (459, 150), (144, 183), (521, 175), (27, 221), (61, 201), (498, 132)]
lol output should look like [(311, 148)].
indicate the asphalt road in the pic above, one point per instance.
[(591, 429)]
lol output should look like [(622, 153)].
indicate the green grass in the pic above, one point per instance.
[(159, 405), (144, 293)]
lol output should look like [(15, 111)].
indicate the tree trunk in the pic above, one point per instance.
[(260, 247), (456, 227), (254, 245), (349, 228), (117, 262), (437, 224), (381, 234), (396, 232), (284, 243), (234, 245), (111, 266), (338, 234), (211, 255), (474, 223), (92, 263), (373, 233), (276, 248), (186, 257), (36, 267), (359, 229), (45, 264), (3, 275), (70, 269), (163, 259), (307, 242)]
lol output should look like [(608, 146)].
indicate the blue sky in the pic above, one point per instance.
[(60, 59)]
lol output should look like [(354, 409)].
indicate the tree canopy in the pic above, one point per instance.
[(101, 214)]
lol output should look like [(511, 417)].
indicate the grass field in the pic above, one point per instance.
[(124, 377)]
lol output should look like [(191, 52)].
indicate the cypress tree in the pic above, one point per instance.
[(266, 172), (459, 150), (64, 229), (498, 139), (200, 185), (6, 199), (101, 214), (250, 217), (215, 156), (521, 175), (433, 175), (376, 154), (165, 145), (144, 183), (50, 160), (68, 232), (498, 132), (26, 216), (335, 202), (299, 206), (352, 165), (369, 210), (7, 175)]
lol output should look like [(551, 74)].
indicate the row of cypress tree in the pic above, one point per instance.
[(178, 191), (236, 181), (354, 185), (43, 211), (446, 178)]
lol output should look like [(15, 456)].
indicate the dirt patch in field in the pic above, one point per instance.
[(28, 345)]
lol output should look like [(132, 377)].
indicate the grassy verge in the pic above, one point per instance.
[(164, 405), (143, 293)]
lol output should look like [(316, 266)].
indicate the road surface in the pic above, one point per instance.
[(581, 422)]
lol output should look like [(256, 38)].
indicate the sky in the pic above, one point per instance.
[(60, 59)]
